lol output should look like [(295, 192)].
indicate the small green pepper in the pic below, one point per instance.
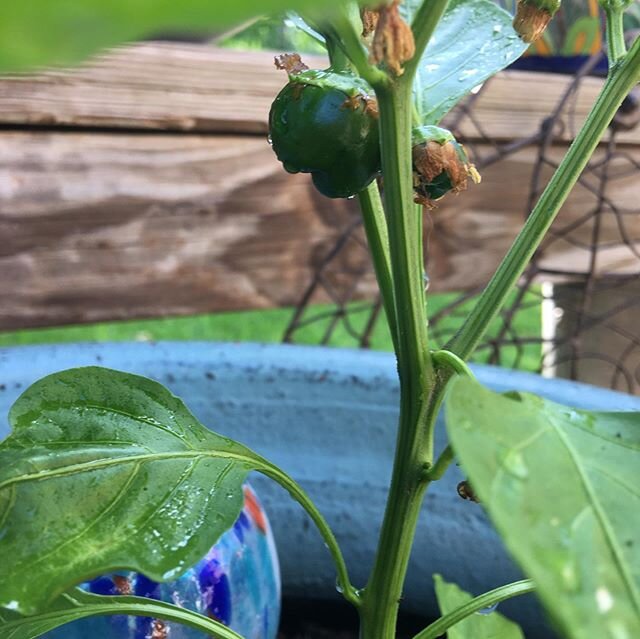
[(326, 123), (440, 164)]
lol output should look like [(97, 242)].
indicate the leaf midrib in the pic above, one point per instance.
[(595, 504), (131, 459)]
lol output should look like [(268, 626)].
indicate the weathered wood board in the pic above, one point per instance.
[(199, 88), (97, 226)]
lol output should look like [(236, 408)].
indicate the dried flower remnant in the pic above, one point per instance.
[(393, 42), (533, 16), (370, 104), (440, 165), (369, 21), (290, 62)]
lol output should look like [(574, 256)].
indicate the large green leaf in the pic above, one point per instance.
[(561, 487), (472, 42), (37, 33), (475, 626), (107, 470), (76, 604)]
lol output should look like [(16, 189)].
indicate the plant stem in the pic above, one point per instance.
[(424, 24), (451, 362), (439, 627), (295, 490), (78, 604), (437, 471), (616, 47), (375, 226), (621, 80), (379, 606)]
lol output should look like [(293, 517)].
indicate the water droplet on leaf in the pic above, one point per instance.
[(513, 463), (488, 610)]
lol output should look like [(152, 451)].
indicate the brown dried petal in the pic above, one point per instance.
[(530, 21), (290, 62), (393, 41), (432, 159), (369, 21)]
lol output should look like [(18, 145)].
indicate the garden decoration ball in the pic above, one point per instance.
[(236, 583)]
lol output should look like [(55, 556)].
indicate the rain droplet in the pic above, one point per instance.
[(269, 140), (513, 463), (570, 577), (497, 29), (488, 610), (468, 73), (339, 587), (604, 599)]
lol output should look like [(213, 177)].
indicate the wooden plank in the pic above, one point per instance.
[(96, 227), (157, 86), (190, 87)]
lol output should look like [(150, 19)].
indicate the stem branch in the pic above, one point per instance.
[(295, 490), (375, 226), (439, 627), (616, 47), (621, 80)]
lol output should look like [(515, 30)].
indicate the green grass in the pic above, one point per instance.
[(269, 326)]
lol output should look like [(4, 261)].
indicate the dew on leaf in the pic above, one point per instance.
[(488, 610), (514, 464), (604, 600)]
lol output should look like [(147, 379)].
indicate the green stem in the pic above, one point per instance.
[(375, 226), (439, 627), (295, 490), (621, 80), (381, 597), (450, 361), (424, 24), (78, 605), (616, 47), (420, 390), (404, 220), (437, 471), (342, 31)]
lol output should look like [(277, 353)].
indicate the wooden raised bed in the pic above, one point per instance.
[(142, 184)]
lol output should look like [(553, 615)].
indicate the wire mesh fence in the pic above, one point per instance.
[(575, 318)]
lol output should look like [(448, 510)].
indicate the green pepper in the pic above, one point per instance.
[(440, 164), (326, 123)]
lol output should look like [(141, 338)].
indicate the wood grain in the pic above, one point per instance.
[(98, 227), (112, 226), (157, 86), (192, 87)]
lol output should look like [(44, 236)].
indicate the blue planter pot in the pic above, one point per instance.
[(327, 416)]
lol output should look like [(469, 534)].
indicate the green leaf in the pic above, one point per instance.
[(475, 626), (473, 41), (107, 470), (77, 604), (38, 33), (561, 487)]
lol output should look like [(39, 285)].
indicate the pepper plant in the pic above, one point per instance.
[(559, 484)]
